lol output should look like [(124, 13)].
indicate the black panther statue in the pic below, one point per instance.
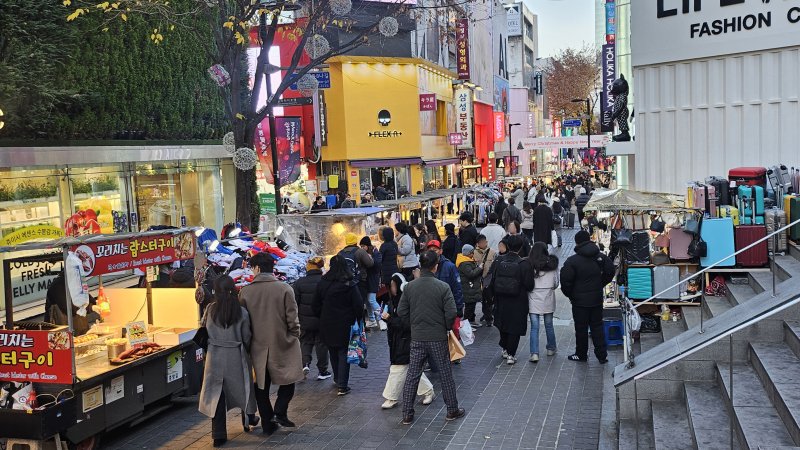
[(620, 111)]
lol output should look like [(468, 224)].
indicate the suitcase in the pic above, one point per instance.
[(679, 244), (795, 180), (718, 234), (775, 220), (751, 197), (729, 211), (638, 252), (705, 199), (663, 278), (750, 176), (689, 200), (779, 178), (569, 220), (722, 188), (794, 214), (640, 283), (757, 256)]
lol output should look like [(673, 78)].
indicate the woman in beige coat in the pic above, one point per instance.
[(227, 376), (542, 299)]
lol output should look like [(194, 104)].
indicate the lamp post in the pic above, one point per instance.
[(510, 146), (589, 119)]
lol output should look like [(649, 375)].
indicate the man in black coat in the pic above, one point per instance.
[(580, 203), (304, 290), (583, 278), (467, 233), (543, 222)]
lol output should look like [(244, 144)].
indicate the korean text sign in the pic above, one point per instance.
[(134, 253), (36, 356), (464, 117), (462, 48), (427, 102)]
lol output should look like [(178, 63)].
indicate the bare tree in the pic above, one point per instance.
[(573, 74)]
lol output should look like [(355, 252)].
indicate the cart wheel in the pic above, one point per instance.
[(90, 443)]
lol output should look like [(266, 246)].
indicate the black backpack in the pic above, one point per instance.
[(352, 264), (507, 276)]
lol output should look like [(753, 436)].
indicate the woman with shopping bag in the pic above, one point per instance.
[(399, 336), (338, 304)]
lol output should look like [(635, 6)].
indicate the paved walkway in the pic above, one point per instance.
[(553, 404)]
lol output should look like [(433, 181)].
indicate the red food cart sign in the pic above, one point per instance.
[(134, 253), (36, 356)]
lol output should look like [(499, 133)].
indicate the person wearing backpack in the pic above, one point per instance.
[(512, 279), (511, 213), (373, 282), (359, 261), (583, 278)]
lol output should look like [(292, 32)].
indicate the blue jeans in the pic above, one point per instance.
[(372, 298), (548, 329)]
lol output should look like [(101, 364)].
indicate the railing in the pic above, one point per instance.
[(626, 308)]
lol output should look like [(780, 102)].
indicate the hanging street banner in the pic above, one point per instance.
[(462, 48), (36, 356), (133, 253), (289, 138), (427, 102), (609, 74), (599, 140), (464, 117)]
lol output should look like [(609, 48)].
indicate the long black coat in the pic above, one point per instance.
[(543, 224), (511, 313), (305, 289), (338, 306), (388, 253), (398, 334)]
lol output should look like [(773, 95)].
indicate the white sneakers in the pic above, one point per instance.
[(551, 352), (511, 360), (382, 325), (389, 404), (534, 358), (428, 398), (505, 354)]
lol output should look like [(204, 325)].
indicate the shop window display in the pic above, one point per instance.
[(29, 205), (101, 193)]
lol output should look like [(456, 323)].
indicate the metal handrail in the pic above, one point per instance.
[(707, 269)]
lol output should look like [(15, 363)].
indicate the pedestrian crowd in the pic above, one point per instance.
[(419, 286)]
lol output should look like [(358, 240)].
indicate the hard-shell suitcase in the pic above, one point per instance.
[(663, 278), (751, 198), (776, 219), (779, 178), (689, 199), (757, 256), (569, 220), (718, 235), (640, 283), (638, 252), (729, 211), (705, 198), (794, 214), (751, 176), (722, 188), (679, 244)]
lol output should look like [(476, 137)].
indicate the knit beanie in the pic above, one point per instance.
[(350, 239), (581, 237)]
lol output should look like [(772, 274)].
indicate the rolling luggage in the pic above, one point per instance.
[(722, 188), (756, 256), (795, 180), (679, 244), (779, 179), (569, 220), (751, 207), (794, 214), (775, 220), (750, 176), (638, 252), (640, 283), (729, 211), (663, 278), (718, 235), (705, 198)]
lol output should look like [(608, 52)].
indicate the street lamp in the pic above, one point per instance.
[(511, 147), (588, 119)]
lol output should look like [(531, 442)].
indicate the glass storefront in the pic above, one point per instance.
[(435, 178), (396, 180)]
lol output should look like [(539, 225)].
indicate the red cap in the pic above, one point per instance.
[(434, 243)]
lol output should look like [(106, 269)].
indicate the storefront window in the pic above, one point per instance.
[(102, 193), (402, 179), (435, 178), (29, 202)]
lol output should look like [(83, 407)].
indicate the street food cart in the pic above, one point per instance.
[(124, 369)]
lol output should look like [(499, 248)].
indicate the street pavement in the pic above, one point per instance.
[(555, 404)]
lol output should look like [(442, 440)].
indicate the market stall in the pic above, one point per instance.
[(54, 379)]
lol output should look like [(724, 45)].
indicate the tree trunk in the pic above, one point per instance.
[(246, 195)]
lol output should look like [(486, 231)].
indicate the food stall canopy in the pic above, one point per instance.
[(89, 239), (323, 233), (627, 200)]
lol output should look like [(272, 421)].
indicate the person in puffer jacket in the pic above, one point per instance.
[(304, 290), (407, 251), (388, 251), (448, 273), (471, 273)]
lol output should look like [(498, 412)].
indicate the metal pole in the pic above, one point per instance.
[(70, 326), (730, 374), (774, 252), (636, 410), (589, 124), (510, 150), (702, 300)]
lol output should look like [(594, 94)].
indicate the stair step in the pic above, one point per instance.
[(627, 435), (671, 329), (757, 422), (671, 426), (791, 335), (787, 266), (778, 367), (715, 306), (650, 340), (740, 293), (708, 416), (761, 281), (691, 316)]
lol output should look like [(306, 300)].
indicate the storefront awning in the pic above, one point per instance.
[(441, 162), (394, 162)]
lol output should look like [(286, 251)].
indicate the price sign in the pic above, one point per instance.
[(136, 332)]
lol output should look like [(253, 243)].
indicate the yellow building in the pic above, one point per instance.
[(376, 131)]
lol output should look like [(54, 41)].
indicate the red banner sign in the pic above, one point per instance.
[(462, 48), (499, 127), (427, 102), (36, 356), (134, 253)]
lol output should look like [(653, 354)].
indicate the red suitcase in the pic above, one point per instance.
[(756, 256), (751, 176)]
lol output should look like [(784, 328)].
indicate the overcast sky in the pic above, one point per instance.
[(563, 24)]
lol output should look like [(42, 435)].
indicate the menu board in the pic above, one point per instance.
[(134, 253)]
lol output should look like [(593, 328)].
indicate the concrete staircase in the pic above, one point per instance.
[(689, 404)]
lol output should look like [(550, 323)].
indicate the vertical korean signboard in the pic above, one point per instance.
[(462, 48), (464, 117), (608, 56)]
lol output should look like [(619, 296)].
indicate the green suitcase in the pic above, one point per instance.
[(794, 211)]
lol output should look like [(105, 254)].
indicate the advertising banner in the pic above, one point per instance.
[(462, 48), (289, 139), (36, 356), (564, 142), (611, 21), (609, 74), (500, 94), (464, 117), (499, 126), (427, 102), (514, 19), (134, 253)]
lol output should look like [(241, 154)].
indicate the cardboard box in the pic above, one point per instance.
[(174, 336)]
